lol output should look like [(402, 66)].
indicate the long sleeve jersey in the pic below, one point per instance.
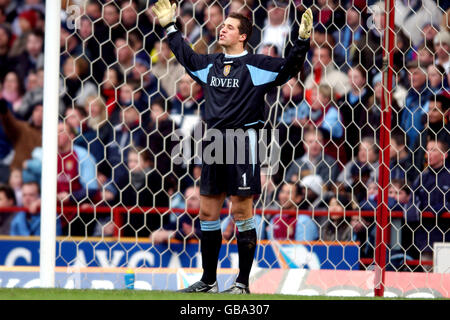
[(235, 85)]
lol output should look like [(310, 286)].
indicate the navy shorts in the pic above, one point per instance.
[(239, 171)]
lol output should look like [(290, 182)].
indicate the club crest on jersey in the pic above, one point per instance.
[(226, 70)]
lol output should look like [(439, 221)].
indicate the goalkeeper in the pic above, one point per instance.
[(234, 83)]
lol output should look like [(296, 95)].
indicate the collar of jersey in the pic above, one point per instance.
[(236, 55)]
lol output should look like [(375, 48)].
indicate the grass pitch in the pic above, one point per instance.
[(90, 294)]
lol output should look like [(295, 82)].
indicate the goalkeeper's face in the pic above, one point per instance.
[(229, 35)]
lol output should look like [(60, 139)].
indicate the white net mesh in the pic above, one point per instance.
[(124, 96)]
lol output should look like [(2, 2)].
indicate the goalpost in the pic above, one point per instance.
[(49, 144), (310, 248)]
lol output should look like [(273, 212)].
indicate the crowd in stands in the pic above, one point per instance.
[(123, 96)]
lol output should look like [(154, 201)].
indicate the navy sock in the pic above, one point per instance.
[(246, 241), (211, 241)]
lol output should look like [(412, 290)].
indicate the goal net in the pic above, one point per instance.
[(327, 207)]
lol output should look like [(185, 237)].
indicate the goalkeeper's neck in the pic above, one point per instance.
[(234, 50)]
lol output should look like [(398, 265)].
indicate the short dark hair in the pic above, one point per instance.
[(297, 187), (162, 103), (443, 99), (9, 192), (33, 183), (245, 25), (361, 70), (399, 137), (442, 139), (327, 47)]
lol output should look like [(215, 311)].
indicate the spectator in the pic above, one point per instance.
[(411, 16), (24, 136), (314, 192), (425, 55), (364, 232), (442, 49), (159, 136), (131, 95), (33, 56), (401, 167), (182, 227), (74, 91), (213, 18), (106, 195), (34, 94), (350, 32), (267, 198), (7, 200), (337, 227), (369, 48), (402, 240), (111, 17), (110, 92), (76, 180), (430, 194), (124, 56), (292, 227), (32, 168), (430, 31), (5, 41), (196, 8), (69, 43), (91, 46), (189, 97), (359, 172), (322, 114), (10, 10), (130, 19), (15, 181), (13, 90), (277, 27), (436, 125), (412, 114), (373, 113), (96, 121), (141, 186), (400, 191), (353, 107), (29, 223), (127, 133), (85, 136), (436, 79), (330, 15), (191, 28), (75, 118), (325, 72), (167, 70), (284, 108), (142, 73), (314, 161), (291, 95), (27, 22)]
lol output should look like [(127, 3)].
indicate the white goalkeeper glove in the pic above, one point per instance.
[(304, 31), (165, 12)]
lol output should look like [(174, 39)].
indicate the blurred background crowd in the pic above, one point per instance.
[(123, 96)]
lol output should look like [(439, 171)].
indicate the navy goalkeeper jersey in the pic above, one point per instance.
[(234, 86)]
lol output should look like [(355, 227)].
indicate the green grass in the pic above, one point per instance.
[(75, 294)]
